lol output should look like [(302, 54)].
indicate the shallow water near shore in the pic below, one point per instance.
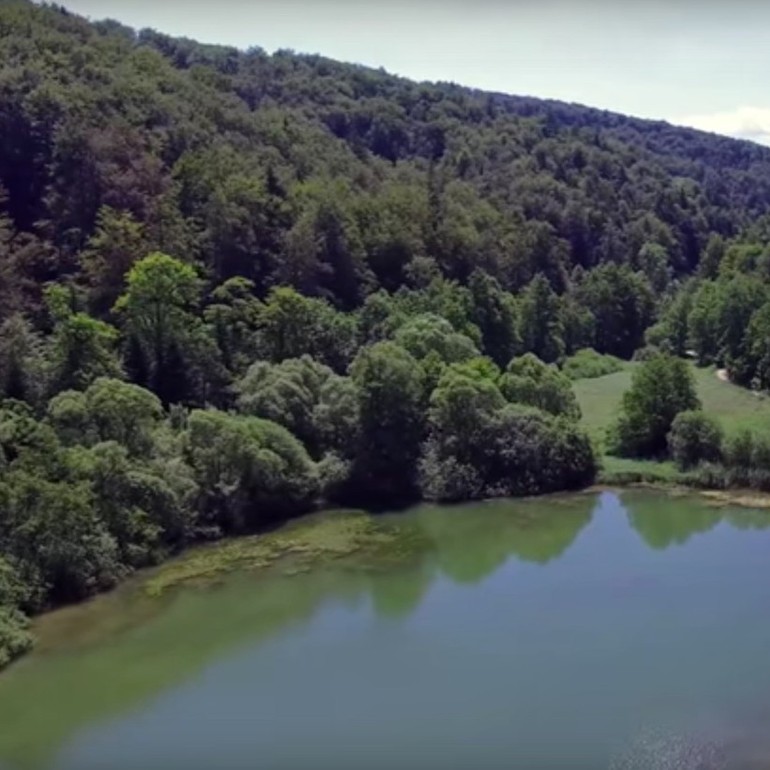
[(598, 630)]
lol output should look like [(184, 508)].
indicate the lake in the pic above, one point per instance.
[(599, 630)]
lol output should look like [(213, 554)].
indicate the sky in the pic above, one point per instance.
[(702, 63)]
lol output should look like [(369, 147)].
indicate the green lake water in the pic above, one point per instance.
[(591, 631)]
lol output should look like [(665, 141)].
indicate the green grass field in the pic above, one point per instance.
[(734, 407)]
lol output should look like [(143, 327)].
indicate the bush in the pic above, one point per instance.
[(14, 637), (587, 364), (695, 437), (519, 450), (646, 353), (529, 381)]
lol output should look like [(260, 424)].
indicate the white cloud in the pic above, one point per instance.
[(752, 123)]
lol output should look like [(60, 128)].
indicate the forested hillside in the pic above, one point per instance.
[(237, 285)]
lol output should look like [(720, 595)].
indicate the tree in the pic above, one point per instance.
[(233, 318), (110, 252), (82, 350), (739, 299), (672, 330), (661, 388), (52, 527), (622, 304), (426, 333), (23, 374), (542, 331), (461, 409), (757, 346), (291, 325), (109, 410), (494, 312), (703, 323), (143, 511), (249, 471), (159, 311), (318, 406), (528, 380), (390, 400), (695, 437)]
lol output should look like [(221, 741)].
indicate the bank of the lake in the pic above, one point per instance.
[(564, 628)]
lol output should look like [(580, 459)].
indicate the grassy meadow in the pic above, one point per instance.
[(735, 408)]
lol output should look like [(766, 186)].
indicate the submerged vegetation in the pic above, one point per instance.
[(237, 287)]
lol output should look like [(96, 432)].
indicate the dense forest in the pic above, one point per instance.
[(236, 286)]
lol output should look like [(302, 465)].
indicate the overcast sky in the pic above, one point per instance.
[(702, 63)]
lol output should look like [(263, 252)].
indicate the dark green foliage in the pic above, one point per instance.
[(52, 526), (542, 326), (391, 407), (661, 388), (494, 312), (695, 437), (521, 451), (622, 304), (291, 326)]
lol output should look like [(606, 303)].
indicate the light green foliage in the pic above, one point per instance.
[(249, 471), (318, 406), (585, 364), (479, 446), (429, 333), (83, 349), (661, 388), (161, 296), (144, 509), (695, 437), (378, 318), (25, 442), (109, 410), (461, 404), (160, 313), (528, 380), (445, 298)]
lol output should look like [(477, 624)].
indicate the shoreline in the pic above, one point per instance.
[(743, 498), (298, 544)]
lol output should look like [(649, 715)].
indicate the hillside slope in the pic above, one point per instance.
[(336, 178)]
